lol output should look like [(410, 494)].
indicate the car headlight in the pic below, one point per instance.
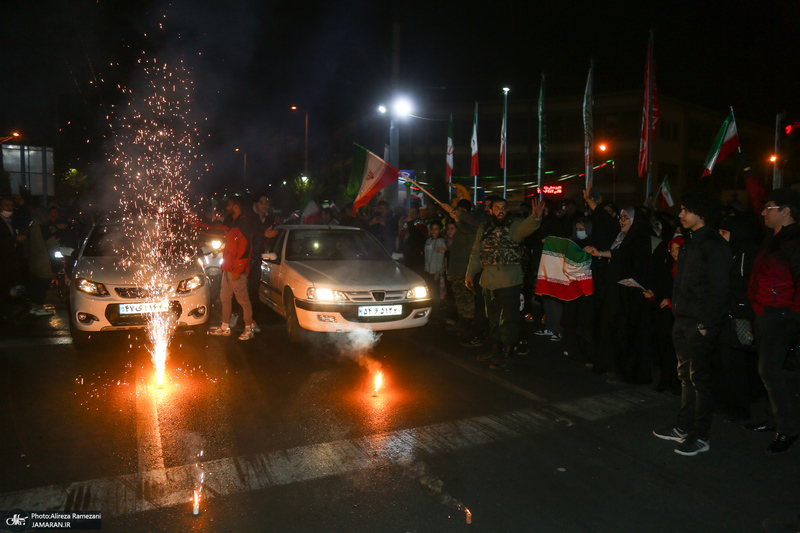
[(91, 287), (324, 295), (188, 285), (418, 293), (216, 244)]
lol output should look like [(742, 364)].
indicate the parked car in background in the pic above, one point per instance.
[(337, 279), (104, 294)]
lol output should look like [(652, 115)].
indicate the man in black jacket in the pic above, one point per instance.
[(699, 304)]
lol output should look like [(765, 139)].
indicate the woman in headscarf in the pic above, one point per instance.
[(625, 350)]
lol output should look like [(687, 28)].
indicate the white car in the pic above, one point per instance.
[(334, 278), (103, 294)]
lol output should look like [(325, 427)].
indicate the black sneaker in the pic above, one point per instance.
[(781, 443), (522, 348), (472, 342), (671, 433), (692, 446)]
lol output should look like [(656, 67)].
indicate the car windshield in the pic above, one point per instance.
[(115, 240), (334, 245)]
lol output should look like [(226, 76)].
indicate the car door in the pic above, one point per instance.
[(270, 287)]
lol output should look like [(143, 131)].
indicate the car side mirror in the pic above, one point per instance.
[(272, 257)]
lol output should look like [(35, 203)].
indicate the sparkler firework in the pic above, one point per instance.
[(154, 149)]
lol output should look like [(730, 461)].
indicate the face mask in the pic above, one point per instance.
[(6, 214), (580, 234)]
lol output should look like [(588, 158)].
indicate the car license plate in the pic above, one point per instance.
[(380, 310), (142, 308)]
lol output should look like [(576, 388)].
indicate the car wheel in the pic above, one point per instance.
[(294, 331)]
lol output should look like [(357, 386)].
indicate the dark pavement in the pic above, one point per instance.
[(292, 439)]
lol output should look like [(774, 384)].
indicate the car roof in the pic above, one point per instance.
[(316, 227)]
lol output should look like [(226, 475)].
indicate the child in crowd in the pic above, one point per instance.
[(435, 247)]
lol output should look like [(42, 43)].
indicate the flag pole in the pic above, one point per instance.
[(737, 129), (650, 76), (406, 176), (505, 136), (542, 133)]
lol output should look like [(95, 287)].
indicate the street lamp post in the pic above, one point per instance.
[(305, 152), (603, 147), (244, 169)]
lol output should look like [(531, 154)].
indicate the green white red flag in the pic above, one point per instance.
[(664, 195), (473, 168), (373, 173), (310, 212), (448, 169), (564, 270), (726, 142)]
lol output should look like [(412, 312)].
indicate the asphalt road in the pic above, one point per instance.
[(288, 438)]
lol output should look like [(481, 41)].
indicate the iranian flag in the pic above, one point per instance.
[(310, 213), (664, 195), (564, 270), (448, 169), (473, 169), (374, 174), (725, 144)]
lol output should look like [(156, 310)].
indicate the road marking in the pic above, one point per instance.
[(148, 434), (159, 488)]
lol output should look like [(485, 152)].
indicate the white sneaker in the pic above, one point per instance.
[(255, 327), (246, 335), (220, 331), (234, 320), (544, 333)]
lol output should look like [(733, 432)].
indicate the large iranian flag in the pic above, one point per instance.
[(374, 174), (564, 270), (726, 142)]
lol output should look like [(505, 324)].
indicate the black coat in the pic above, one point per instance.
[(702, 278)]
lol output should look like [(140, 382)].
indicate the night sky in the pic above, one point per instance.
[(252, 60)]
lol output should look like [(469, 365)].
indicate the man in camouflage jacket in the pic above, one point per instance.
[(497, 250)]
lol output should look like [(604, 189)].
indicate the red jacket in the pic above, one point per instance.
[(238, 247), (775, 281)]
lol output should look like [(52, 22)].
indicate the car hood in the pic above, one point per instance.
[(111, 271), (357, 275)]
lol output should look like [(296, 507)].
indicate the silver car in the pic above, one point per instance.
[(333, 278), (104, 296)]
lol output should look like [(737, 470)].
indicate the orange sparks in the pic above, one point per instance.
[(378, 381)]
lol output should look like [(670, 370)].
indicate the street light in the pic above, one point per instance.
[(603, 148), (12, 136), (305, 154)]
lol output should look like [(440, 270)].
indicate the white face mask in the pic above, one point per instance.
[(581, 234), (6, 214)]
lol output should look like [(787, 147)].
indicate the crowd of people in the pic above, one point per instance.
[(29, 264), (706, 304)]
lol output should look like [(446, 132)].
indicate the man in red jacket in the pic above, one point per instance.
[(774, 293), (235, 267)]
